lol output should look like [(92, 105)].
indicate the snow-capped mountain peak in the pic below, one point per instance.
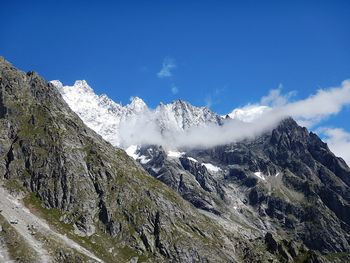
[(82, 86), (135, 123), (137, 104), (81, 83), (108, 118), (182, 115)]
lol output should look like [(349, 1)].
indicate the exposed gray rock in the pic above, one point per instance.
[(271, 243)]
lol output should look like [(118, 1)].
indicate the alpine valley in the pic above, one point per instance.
[(85, 179)]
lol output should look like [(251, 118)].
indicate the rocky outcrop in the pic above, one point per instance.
[(188, 177)]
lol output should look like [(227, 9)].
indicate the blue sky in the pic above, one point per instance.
[(223, 53)]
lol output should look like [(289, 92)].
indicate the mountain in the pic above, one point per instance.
[(87, 201), (107, 117), (284, 187), (67, 195), (286, 182), (101, 113)]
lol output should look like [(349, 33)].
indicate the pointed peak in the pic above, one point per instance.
[(136, 100), (181, 103), (289, 123), (137, 104), (108, 102), (83, 85)]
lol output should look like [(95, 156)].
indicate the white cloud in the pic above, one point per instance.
[(174, 89), (323, 104), (249, 112), (338, 141), (307, 112), (167, 67)]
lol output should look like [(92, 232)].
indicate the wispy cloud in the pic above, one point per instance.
[(167, 67), (174, 89), (338, 141), (275, 97), (214, 97)]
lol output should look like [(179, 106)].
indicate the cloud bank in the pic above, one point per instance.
[(323, 104), (307, 112), (144, 128)]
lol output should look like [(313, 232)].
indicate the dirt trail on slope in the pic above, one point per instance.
[(4, 255), (14, 211)]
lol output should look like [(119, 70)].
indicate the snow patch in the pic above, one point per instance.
[(131, 151), (143, 159), (174, 154), (211, 167), (156, 170), (260, 175), (192, 159)]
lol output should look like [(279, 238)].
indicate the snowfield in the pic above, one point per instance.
[(211, 168)]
